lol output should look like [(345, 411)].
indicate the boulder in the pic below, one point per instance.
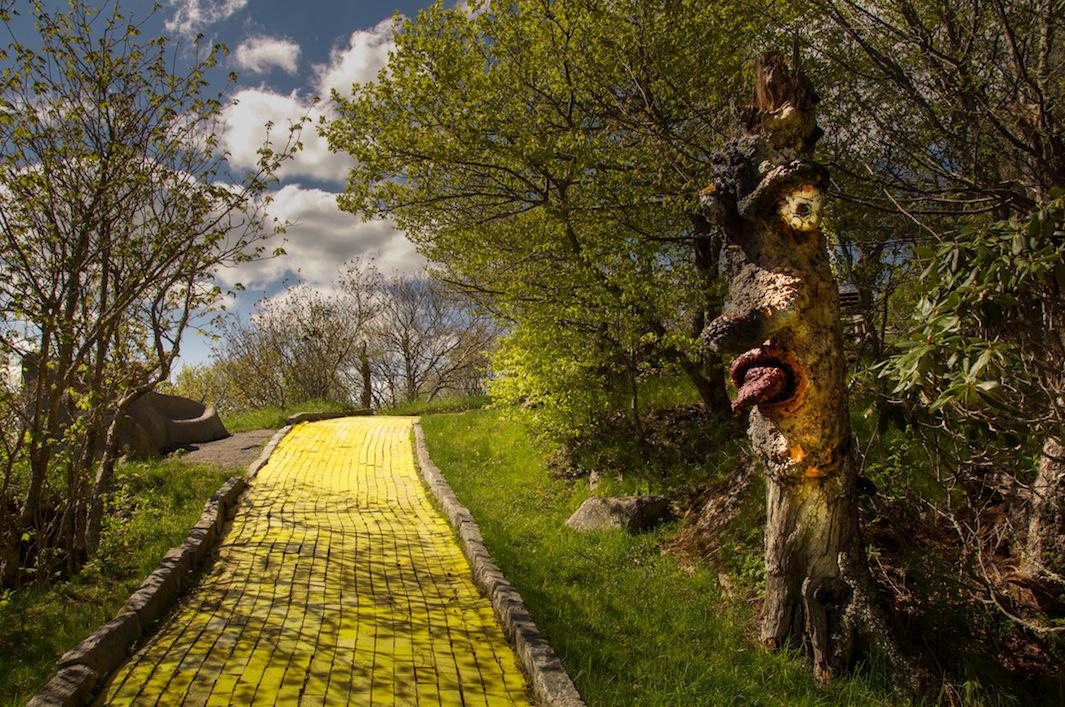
[(630, 513)]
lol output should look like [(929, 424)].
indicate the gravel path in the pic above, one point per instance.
[(235, 452)]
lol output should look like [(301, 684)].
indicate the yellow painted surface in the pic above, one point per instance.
[(338, 583)]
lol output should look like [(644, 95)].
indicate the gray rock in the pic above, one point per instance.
[(72, 685), (631, 513), (106, 648)]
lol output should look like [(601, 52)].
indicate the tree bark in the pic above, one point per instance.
[(364, 371), (782, 316), (1045, 544)]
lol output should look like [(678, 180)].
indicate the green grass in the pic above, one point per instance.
[(273, 417), (160, 501), (440, 405), (631, 625)]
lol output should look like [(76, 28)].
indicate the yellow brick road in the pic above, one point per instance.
[(338, 583)]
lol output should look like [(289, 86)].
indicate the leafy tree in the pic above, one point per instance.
[(115, 211), (547, 156), (948, 116)]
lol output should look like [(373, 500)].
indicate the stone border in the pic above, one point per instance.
[(92, 661), (550, 683)]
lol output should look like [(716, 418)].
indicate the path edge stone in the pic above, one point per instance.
[(92, 662), (548, 679)]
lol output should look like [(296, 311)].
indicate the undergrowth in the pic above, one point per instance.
[(153, 507)]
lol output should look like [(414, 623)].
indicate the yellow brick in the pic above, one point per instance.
[(337, 579)]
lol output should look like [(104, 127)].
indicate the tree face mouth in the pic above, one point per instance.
[(765, 376)]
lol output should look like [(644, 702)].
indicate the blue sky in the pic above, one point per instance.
[(285, 53)]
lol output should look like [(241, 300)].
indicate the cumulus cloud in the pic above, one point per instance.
[(191, 16), (359, 62), (245, 130), (319, 239), (260, 53)]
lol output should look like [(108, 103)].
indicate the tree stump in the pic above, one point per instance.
[(782, 317)]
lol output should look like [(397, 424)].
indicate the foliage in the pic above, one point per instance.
[(116, 212), (38, 623), (547, 157), (983, 327), (206, 383)]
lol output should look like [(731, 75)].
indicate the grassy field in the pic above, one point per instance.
[(440, 405), (38, 624), (273, 417), (631, 625)]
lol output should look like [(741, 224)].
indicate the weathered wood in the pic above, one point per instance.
[(782, 316)]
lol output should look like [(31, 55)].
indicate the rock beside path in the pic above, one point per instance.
[(629, 513)]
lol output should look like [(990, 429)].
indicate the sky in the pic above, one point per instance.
[(285, 53)]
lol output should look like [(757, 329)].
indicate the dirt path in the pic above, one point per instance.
[(236, 451), (338, 583)]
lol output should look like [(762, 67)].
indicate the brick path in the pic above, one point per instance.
[(338, 583)]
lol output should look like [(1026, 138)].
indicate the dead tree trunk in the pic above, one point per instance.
[(782, 317)]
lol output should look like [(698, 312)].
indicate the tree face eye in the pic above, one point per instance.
[(801, 209)]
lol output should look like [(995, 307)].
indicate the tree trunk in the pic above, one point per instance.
[(102, 483), (1045, 543), (782, 316), (709, 381), (9, 558), (364, 370)]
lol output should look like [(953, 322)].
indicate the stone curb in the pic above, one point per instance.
[(550, 683), (93, 660)]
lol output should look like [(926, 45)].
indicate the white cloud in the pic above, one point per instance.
[(245, 130), (260, 53), (191, 16), (359, 62), (364, 56), (319, 239)]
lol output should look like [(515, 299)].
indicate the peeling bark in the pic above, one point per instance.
[(782, 316)]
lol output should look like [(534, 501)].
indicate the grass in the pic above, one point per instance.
[(440, 405), (274, 417), (631, 625), (159, 502)]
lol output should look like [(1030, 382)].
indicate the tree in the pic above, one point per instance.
[(115, 212), (427, 341), (782, 318), (303, 344), (545, 155), (950, 115)]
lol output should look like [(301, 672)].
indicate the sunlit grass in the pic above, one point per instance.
[(440, 405), (631, 625), (273, 417)]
